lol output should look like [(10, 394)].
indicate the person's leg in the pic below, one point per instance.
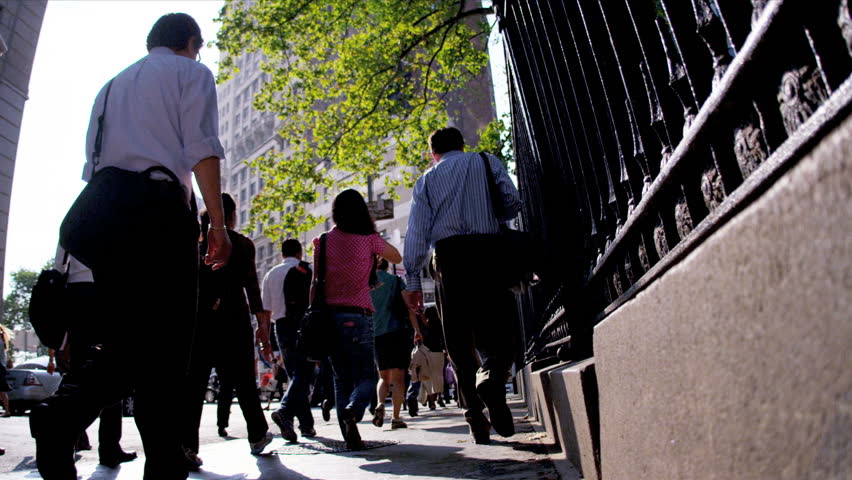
[(295, 401), (382, 389), (4, 397), (241, 370), (397, 379), (363, 367), (224, 400)]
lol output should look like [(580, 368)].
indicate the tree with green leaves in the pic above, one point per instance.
[(358, 84), (16, 306)]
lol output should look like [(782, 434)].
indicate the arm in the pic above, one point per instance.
[(391, 254), (417, 238), (251, 283), (218, 244), (511, 197), (51, 365)]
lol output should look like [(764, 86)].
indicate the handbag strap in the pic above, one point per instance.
[(99, 137), (497, 207), (319, 291)]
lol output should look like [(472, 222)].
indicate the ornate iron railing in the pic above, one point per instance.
[(640, 126)]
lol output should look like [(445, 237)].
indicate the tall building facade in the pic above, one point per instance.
[(20, 25), (248, 134)]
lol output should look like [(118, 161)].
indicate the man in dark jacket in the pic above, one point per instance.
[(286, 291), (225, 338)]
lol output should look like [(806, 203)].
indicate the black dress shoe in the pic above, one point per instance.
[(498, 411), (350, 431), (480, 429), (113, 461), (222, 432)]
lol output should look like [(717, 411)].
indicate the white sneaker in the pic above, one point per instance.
[(258, 446)]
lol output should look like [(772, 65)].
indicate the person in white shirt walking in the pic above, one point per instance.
[(286, 291), (158, 118)]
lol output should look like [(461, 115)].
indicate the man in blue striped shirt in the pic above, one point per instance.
[(451, 210)]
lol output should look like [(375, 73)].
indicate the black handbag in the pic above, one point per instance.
[(317, 331), (519, 265), (106, 209), (48, 306)]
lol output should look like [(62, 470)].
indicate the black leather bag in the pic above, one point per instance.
[(519, 262), (104, 212), (48, 306), (316, 336)]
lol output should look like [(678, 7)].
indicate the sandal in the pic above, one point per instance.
[(379, 416)]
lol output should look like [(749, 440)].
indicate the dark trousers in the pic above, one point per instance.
[(84, 340), (146, 297), (229, 347), (223, 402), (295, 402), (353, 364), (477, 311)]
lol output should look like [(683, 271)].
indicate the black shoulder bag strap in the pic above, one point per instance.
[(494, 193), (319, 289), (99, 137)]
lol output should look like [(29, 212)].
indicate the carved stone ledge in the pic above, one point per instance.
[(683, 219), (711, 188), (749, 148), (800, 94)]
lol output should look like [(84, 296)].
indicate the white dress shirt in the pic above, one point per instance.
[(162, 111), (273, 287), (77, 272)]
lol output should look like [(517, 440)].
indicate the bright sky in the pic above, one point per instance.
[(82, 45)]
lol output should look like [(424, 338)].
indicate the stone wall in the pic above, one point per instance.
[(737, 362), (20, 24)]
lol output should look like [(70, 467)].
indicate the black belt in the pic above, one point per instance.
[(349, 309)]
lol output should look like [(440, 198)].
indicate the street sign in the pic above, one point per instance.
[(381, 209)]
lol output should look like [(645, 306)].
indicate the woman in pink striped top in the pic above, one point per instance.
[(351, 250)]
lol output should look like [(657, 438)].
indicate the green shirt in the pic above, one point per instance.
[(384, 300)]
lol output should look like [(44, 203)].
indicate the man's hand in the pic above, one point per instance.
[(414, 300), (218, 248), (51, 367), (418, 336), (263, 333)]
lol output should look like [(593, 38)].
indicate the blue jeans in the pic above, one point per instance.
[(355, 374), (301, 373)]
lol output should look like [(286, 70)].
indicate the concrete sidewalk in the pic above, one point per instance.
[(436, 445)]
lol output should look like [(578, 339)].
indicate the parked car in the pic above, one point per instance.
[(30, 384)]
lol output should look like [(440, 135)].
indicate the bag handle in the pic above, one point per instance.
[(319, 289), (497, 207), (99, 137)]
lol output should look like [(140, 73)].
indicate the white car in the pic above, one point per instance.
[(30, 384)]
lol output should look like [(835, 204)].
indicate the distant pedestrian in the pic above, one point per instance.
[(225, 338), (394, 330), (5, 341), (432, 377), (286, 290), (351, 250), (451, 211), (157, 118)]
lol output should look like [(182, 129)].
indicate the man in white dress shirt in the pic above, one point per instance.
[(160, 112)]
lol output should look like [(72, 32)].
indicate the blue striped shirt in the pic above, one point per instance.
[(450, 199)]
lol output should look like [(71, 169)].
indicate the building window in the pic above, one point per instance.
[(243, 196), (252, 189), (243, 217), (234, 182), (243, 174)]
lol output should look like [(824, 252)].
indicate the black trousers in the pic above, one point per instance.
[(228, 345), (84, 340), (477, 311), (146, 296)]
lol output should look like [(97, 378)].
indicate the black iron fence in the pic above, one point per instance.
[(640, 126)]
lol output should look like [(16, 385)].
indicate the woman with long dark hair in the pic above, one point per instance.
[(351, 250)]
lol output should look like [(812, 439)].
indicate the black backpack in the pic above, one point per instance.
[(48, 305), (297, 291)]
